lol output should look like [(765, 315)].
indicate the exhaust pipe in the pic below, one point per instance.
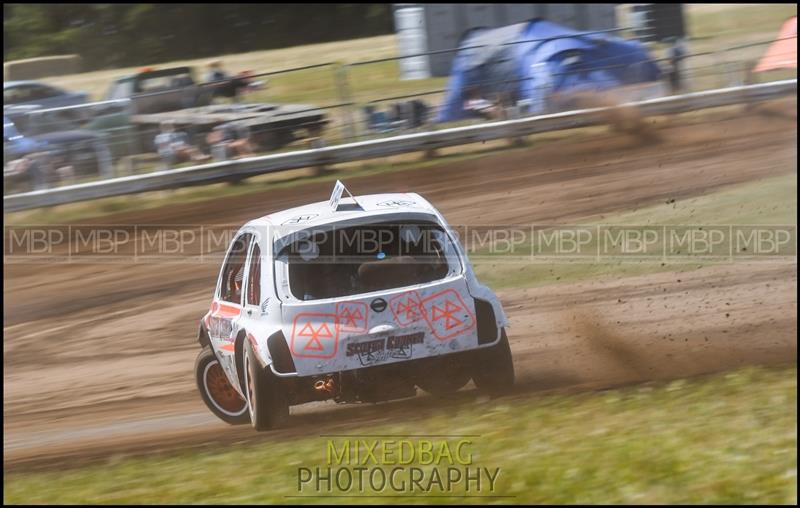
[(325, 386)]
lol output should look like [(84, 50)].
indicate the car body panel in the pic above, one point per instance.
[(349, 332), (406, 323), (160, 90), (15, 145), (86, 150)]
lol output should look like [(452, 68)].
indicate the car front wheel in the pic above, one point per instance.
[(218, 394)]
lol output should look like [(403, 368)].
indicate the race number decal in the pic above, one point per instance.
[(315, 335)]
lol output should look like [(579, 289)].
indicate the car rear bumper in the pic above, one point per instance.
[(384, 352)]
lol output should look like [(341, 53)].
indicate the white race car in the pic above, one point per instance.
[(358, 299)]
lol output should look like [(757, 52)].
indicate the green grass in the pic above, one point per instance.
[(771, 201), (724, 438), (369, 82), (97, 82), (728, 22)]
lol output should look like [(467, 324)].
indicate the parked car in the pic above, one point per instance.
[(16, 93), (15, 145), (308, 306), (86, 152)]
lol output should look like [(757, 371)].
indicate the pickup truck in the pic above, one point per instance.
[(154, 91), (175, 96)]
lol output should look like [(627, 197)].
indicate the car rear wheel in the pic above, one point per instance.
[(266, 399), (218, 394), (493, 370), (445, 377)]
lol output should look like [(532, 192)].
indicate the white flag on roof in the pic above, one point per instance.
[(336, 195)]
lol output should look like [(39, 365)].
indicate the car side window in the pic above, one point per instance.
[(42, 92), (254, 277), (122, 89), (233, 271), (16, 95)]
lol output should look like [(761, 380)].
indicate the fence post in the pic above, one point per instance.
[(343, 92)]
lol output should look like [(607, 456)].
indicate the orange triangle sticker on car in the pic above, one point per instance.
[(313, 343)]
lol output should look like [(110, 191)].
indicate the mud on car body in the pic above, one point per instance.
[(361, 299)]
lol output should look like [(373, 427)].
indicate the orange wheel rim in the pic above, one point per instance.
[(221, 390)]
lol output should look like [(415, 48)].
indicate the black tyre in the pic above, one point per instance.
[(216, 391), (266, 398), (493, 370), (445, 377)]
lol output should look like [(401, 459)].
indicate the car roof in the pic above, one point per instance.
[(12, 84), (370, 205), (167, 71)]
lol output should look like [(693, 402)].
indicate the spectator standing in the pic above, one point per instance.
[(676, 53), (230, 86), (215, 71)]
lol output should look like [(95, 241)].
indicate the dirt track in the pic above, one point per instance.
[(98, 358)]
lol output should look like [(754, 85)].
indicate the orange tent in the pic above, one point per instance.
[(783, 52)]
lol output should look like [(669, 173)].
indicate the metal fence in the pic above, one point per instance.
[(360, 101), (393, 145)]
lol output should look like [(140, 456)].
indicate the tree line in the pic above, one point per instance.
[(120, 35)]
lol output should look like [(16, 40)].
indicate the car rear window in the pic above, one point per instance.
[(344, 261)]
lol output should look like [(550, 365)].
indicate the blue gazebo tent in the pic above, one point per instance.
[(527, 62)]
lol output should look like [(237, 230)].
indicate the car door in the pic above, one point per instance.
[(252, 296), (19, 94), (41, 95), (223, 322), (48, 97)]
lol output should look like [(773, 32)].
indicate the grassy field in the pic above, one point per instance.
[(711, 27), (771, 201), (721, 439), (97, 82), (731, 23)]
